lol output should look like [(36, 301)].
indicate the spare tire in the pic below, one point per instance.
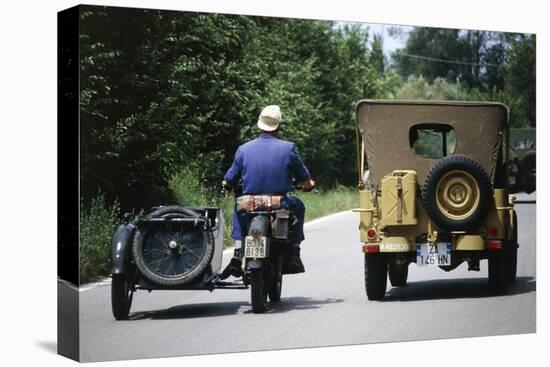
[(457, 193), (173, 253)]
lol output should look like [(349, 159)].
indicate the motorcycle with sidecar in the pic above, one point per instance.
[(181, 248)]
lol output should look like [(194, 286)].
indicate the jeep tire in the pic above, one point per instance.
[(511, 251), (457, 193), (398, 273), (498, 274), (376, 275)]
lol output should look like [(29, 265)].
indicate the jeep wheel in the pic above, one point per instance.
[(511, 262), (498, 275), (376, 275), (398, 274), (511, 251), (457, 193)]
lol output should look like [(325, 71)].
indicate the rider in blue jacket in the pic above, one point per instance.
[(268, 165)]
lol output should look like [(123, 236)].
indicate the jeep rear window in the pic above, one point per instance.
[(432, 140)]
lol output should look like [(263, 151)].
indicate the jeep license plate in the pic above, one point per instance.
[(255, 247), (433, 254)]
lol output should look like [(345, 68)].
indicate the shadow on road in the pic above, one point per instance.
[(191, 311), (455, 288), (298, 303), (230, 308)]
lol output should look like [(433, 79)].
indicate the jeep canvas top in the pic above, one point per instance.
[(478, 127)]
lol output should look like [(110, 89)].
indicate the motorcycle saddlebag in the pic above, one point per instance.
[(280, 224)]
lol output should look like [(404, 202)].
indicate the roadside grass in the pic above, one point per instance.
[(97, 226), (99, 221), (324, 202)]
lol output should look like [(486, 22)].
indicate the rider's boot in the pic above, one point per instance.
[(294, 264), (234, 267)]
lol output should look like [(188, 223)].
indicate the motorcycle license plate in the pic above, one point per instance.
[(255, 247), (433, 254)]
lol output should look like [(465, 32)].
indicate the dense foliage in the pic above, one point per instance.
[(471, 65), (170, 95), (97, 225), (164, 92)]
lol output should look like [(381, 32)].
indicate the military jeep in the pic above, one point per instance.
[(434, 190)]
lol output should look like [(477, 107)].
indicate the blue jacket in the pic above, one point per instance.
[(267, 165)]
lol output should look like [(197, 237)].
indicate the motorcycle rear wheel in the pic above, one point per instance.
[(276, 286), (258, 291)]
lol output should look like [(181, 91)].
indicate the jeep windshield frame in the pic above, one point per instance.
[(384, 126)]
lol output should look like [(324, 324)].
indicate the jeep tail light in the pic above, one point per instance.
[(371, 233), (493, 231), (371, 248), (494, 245)]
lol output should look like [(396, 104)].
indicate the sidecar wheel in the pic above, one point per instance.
[(121, 296), (172, 254)]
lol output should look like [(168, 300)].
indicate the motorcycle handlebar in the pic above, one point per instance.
[(302, 188)]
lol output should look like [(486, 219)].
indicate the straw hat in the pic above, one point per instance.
[(270, 118)]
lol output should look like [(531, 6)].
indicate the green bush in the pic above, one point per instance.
[(440, 89), (97, 225), (188, 190)]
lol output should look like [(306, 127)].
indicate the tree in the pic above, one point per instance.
[(521, 76), (488, 66), (157, 89), (377, 59), (167, 92)]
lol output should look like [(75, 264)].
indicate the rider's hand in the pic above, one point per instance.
[(308, 184), (225, 186)]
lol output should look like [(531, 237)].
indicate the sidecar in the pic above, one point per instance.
[(169, 248)]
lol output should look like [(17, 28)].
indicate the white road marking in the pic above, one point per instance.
[(325, 218), (89, 286)]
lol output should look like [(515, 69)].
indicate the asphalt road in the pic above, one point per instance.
[(325, 306)]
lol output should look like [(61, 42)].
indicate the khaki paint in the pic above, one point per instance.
[(469, 243), (366, 214), (398, 199)]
